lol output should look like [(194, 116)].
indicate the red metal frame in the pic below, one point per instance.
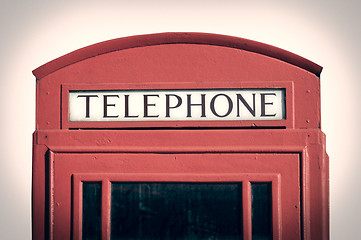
[(106, 180), (234, 175), (307, 144)]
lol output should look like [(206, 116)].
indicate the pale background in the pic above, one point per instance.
[(326, 32)]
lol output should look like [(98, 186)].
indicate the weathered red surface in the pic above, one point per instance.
[(174, 65), (176, 38), (294, 152)]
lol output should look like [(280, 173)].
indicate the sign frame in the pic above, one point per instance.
[(287, 122)]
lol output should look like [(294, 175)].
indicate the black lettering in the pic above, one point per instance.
[(146, 105), (252, 111), (230, 105), (87, 104), (126, 98), (264, 103), (202, 104), (167, 107), (106, 105)]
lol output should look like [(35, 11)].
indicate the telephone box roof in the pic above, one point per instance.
[(175, 38)]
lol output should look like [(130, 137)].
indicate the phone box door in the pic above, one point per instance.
[(176, 196)]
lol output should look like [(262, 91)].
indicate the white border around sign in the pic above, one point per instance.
[(177, 105)]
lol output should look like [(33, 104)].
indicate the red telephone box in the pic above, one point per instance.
[(179, 136)]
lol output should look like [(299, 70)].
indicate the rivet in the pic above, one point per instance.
[(308, 91), (47, 93), (47, 123), (307, 121)]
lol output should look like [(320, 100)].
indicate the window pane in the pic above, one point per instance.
[(92, 204), (261, 211), (176, 211)]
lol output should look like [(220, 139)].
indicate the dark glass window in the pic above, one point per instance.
[(261, 211), (176, 211), (92, 204)]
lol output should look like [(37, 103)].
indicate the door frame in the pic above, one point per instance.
[(307, 143), (106, 180)]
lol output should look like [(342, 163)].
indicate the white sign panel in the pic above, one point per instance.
[(177, 105)]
